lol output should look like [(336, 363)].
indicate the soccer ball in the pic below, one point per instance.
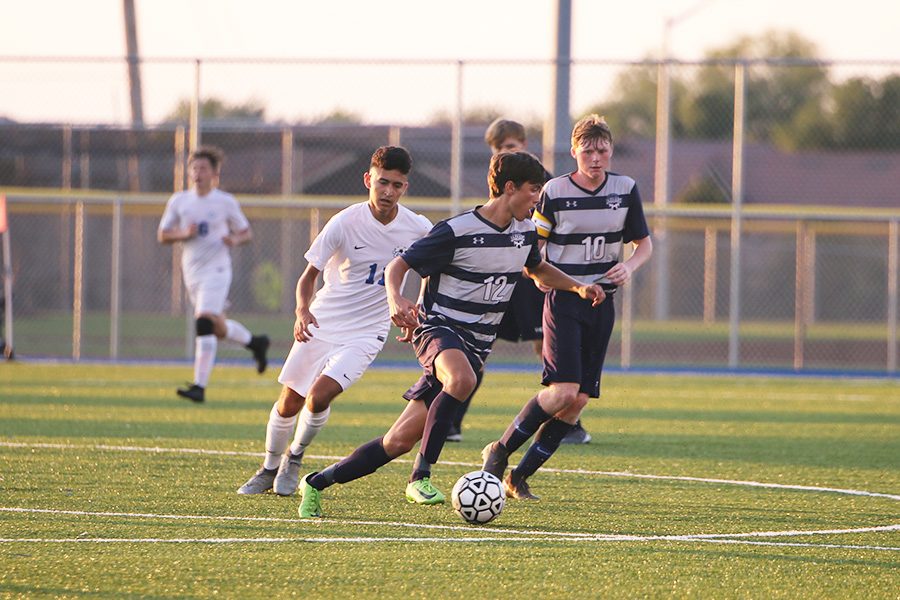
[(478, 497)]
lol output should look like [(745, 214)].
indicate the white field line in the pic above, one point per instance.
[(501, 535), (626, 474)]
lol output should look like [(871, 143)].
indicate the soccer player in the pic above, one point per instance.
[(471, 264), (522, 320), (209, 222), (338, 335), (586, 218)]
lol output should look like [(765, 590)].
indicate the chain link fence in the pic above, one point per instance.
[(771, 189)]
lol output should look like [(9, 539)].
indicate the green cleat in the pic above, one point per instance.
[(422, 492), (311, 500)]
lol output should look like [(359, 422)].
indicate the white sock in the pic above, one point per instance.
[(310, 424), (204, 358), (278, 434), (236, 332)]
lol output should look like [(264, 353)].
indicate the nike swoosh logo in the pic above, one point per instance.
[(427, 496), (345, 377), (358, 247)]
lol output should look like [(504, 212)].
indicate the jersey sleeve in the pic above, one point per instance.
[(543, 218), (430, 254), (326, 243), (635, 222), (236, 219), (170, 216), (534, 256)]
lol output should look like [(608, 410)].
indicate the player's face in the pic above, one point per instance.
[(202, 175), (386, 187), (524, 199), (510, 144), (593, 159)]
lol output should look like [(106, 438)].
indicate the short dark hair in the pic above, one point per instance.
[(213, 154), (503, 129), (518, 167), (392, 158)]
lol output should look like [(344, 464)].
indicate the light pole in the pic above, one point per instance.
[(663, 170)]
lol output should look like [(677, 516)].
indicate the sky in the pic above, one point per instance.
[(382, 90)]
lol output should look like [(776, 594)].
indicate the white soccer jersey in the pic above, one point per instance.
[(352, 251), (216, 214)]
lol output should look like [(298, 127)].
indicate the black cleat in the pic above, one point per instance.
[(259, 345), (517, 487), (495, 459), (576, 435), (194, 392)]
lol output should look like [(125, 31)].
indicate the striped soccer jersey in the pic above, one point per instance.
[(587, 230), (472, 268)]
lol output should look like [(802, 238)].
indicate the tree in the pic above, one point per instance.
[(214, 109)]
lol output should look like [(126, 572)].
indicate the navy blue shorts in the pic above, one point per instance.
[(428, 344), (522, 319), (576, 336)]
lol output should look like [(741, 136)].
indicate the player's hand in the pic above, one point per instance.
[(406, 335), (302, 324), (228, 240), (618, 274), (404, 313), (593, 292)]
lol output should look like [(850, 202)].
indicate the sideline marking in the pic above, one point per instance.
[(626, 474)]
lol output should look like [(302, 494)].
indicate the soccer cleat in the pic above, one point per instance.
[(422, 492), (192, 392), (517, 487), (454, 435), (259, 345), (310, 499), (495, 458), (288, 474), (260, 483), (576, 435)]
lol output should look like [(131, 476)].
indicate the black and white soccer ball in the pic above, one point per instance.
[(478, 497)]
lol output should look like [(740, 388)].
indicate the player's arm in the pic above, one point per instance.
[(621, 272), (176, 234), (548, 275), (406, 335), (404, 312), (236, 238), (306, 288)]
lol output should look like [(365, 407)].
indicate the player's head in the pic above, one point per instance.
[(387, 180), (519, 176), (504, 135), (592, 146), (392, 158), (204, 164)]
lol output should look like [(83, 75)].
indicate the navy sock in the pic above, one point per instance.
[(529, 419), (545, 444), (437, 424), (363, 461)]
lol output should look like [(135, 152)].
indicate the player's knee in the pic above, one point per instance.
[(204, 326), (578, 403), (398, 445), (461, 385)]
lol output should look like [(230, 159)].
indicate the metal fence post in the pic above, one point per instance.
[(737, 198), (456, 145), (115, 279), (78, 281), (893, 292)]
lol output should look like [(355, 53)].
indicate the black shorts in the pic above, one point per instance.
[(522, 320), (576, 336), (428, 345)]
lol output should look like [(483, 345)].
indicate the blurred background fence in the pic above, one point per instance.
[(772, 187)]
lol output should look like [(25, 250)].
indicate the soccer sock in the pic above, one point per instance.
[(365, 460), (236, 332), (278, 435), (310, 424), (464, 406), (529, 419), (204, 358), (545, 444), (438, 422)]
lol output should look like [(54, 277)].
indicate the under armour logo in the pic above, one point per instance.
[(571, 203), (478, 240)]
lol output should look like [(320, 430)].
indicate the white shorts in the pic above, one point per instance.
[(344, 362), (209, 294)]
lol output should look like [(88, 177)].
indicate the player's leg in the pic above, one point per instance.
[(301, 368), (208, 295), (455, 433), (366, 459), (453, 368)]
